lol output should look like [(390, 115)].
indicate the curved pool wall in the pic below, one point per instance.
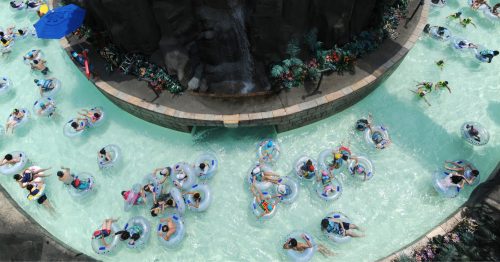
[(395, 207)]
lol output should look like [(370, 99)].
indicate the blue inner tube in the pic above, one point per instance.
[(178, 171), (205, 195)]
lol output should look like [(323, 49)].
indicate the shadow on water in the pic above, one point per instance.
[(494, 111), (208, 135)]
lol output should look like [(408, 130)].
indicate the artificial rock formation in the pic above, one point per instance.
[(225, 45)]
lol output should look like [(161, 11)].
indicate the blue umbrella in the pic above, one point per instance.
[(60, 22)]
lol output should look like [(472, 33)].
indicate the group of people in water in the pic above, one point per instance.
[(424, 88)]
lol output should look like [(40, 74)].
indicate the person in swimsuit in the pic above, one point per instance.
[(168, 228), (455, 16), (28, 175), (79, 127), (125, 234), (467, 21), (422, 92), (93, 115), (487, 54), (137, 201), (300, 247), (46, 106), (105, 231), (358, 169), (196, 198), (442, 84), (65, 176), (339, 227), (264, 176), (104, 156), (462, 170), (164, 171), (455, 179), (203, 167), (14, 118), (31, 55), (148, 189), (39, 65), (269, 150), (474, 133), (307, 169), (9, 160), (42, 200), (476, 4), (440, 64), (466, 44), (164, 201), (45, 85), (264, 202)]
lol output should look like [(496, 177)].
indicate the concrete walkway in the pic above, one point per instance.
[(23, 239)]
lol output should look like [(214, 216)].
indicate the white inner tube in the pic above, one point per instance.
[(9, 169), (112, 240), (183, 176), (305, 175), (363, 169), (211, 164), (177, 237), (382, 131), (115, 154), (44, 106), (99, 121), (258, 211), (17, 5), (206, 197), (468, 171), (140, 225), (37, 57), (330, 191), (150, 180), (268, 150), (443, 185), (257, 172), (335, 236), (23, 120), (482, 138), (455, 43), (433, 31), (288, 188), (305, 255), (5, 85), (85, 178), (56, 87)]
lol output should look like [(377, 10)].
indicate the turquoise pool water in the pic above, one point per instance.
[(395, 207)]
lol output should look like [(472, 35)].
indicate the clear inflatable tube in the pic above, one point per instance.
[(180, 205), (468, 171), (17, 5), (438, 3), (5, 85), (145, 229), (443, 187), (206, 197), (364, 166), (99, 121), (115, 154), (433, 32), (177, 237), (149, 179), (291, 188), (258, 170), (37, 57), (269, 151), (23, 121), (377, 129), (69, 131), (334, 184), (101, 249), (483, 134), (82, 193), (133, 197), (48, 111), (56, 83), (209, 160), (258, 211), (305, 175), (336, 237), (305, 255), (8, 169), (183, 168)]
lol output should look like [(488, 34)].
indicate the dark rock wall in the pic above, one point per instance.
[(214, 42)]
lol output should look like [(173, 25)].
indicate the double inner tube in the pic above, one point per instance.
[(177, 237), (206, 197), (115, 154), (305, 255), (269, 151), (211, 163), (482, 138), (112, 240), (9, 169), (140, 225), (335, 237), (45, 105), (363, 169), (86, 178), (288, 188), (305, 175)]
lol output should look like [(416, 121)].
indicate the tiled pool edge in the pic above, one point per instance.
[(283, 119)]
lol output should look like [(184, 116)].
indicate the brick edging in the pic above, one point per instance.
[(286, 118)]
